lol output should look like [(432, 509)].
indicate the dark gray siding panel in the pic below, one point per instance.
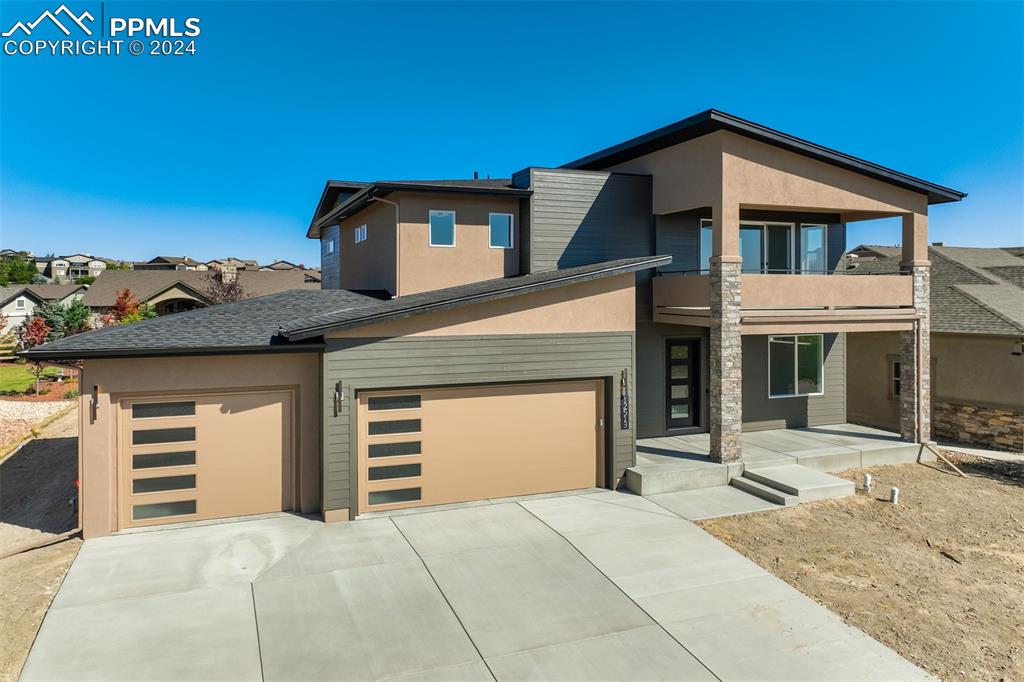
[(761, 412), (583, 217), (836, 245), (408, 362), (587, 217), (678, 235), (650, 376), (330, 263)]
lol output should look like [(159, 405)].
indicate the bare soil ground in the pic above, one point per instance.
[(939, 577), (28, 583), (36, 483)]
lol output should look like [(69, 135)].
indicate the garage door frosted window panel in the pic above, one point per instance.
[(157, 436), (159, 510), (162, 484), (394, 402), (164, 459), (156, 410)]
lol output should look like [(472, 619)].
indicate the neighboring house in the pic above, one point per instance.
[(232, 264), (64, 269), (476, 339), (171, 263), (175, 291), (977, 327), (281, 265), (866, 252), (18, 302)]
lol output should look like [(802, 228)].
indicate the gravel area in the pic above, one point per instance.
[(17, 418)]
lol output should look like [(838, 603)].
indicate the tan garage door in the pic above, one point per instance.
[(206, 456), (446, 445)]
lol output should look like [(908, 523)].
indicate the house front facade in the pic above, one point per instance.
[(475, 339)]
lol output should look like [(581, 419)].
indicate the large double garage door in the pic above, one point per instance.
[(442, 445), (205, 456)]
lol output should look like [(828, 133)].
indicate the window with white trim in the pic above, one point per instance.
[(501, 230), (361, 234), (795, 365), (19, 304), (813, 249), (442, 228), (330, 246)]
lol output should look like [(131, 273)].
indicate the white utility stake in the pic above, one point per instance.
[(867, 482), (894, 495)]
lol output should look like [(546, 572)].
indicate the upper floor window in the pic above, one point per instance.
[(19, 304), (795, 365), (764, 247), (813, 249), (361, 234), (442, 228), (330, 246), (501, 230)]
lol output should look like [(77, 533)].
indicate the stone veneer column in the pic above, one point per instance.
[(726, 361), (915, 365)]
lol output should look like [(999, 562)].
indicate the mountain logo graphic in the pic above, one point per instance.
[(27, 28)]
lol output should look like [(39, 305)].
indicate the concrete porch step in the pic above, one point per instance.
[(807, 485), (765, 492), (652, 479)]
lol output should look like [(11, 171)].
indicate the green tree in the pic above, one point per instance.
[(16, 270), (64, 320), (88, 279)]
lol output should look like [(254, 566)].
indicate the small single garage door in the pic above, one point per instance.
[(187, 458), (424, 447)]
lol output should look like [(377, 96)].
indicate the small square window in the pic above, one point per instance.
[(442, 228), (501, 230), (20, 304), (361, 234)]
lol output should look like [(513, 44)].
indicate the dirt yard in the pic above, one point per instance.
[(36, 483), (939, 578)]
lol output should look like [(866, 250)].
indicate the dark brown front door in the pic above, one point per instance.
[(682, 376)]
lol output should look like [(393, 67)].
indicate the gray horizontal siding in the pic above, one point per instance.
[(582, 217), (363, 364), (330, 263), (761, 412), (678, 235)]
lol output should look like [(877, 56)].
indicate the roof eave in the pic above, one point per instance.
[(43, 355), (713, 120)]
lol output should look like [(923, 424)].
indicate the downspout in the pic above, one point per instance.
[(398, 239)]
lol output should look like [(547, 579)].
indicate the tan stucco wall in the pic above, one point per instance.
[(423, 267), (758, 175), (125, 377), (601, 305), (369, 264), (970, 369)]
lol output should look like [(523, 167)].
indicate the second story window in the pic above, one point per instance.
[(813, 249), (361, 234), (442, 228), (501, 230), (330, 246), (19, 304)]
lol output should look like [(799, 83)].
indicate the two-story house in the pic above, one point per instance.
[(64, 269), (475, 339)]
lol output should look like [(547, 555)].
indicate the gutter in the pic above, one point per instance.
[(41, 356), (317, 330)]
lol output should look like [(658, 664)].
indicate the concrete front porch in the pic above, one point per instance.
[(677, 463)]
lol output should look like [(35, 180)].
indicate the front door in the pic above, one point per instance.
[(682, 392)]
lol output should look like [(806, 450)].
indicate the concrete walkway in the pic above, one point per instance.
[(587, 586)]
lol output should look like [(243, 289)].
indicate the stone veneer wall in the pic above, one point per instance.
[(987, 427), (915, 356), (726, 363)]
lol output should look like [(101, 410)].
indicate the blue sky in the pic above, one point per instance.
[(226, 152)]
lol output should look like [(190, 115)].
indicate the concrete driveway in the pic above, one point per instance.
[(584, 586)]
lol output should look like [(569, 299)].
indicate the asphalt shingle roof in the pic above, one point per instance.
[(249, 325), (968, 295), (280, 322), (145, 284)]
